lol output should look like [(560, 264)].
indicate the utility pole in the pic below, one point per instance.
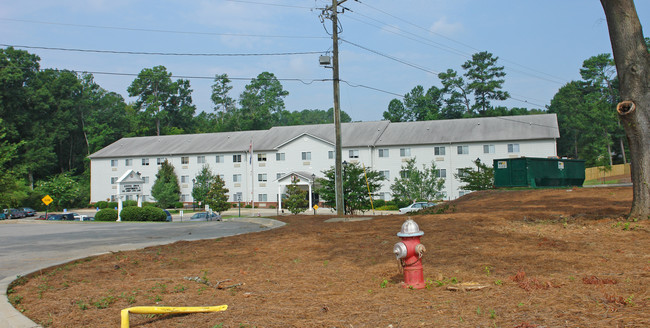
[(338, 177)]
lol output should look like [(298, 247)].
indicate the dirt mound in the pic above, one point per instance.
[(548, 257)]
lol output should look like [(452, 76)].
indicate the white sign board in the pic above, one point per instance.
[(502, 164)]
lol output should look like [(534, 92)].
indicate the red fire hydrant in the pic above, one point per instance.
[(409, 252)]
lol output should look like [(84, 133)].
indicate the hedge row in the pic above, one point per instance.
[(132, 213)]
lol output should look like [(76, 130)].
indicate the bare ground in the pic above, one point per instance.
[(550, 258)]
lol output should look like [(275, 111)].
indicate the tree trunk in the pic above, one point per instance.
[(633, 67)]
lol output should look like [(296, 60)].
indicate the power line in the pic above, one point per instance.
[(270, 4), (166, 53), (555, 79), (165, 31), (392, 58), (371, 88)]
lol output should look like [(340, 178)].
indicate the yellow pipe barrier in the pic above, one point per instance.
[(167, 309)]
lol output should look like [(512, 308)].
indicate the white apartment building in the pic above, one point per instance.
[(305, 151)]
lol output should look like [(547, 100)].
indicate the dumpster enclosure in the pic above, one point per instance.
[(538, 172)]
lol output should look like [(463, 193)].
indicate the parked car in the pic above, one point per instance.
[(169, 215), (13, 213), (78, 217), (415, 207), (2, 216), (61, 217), (28, 211), (205, 216)]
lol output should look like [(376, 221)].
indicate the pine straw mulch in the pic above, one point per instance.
[(549, 258)]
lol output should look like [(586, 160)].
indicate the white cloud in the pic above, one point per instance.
[(446, 28)]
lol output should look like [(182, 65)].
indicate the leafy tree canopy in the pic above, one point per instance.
[(418, 185), (166, 189), (355, 191)]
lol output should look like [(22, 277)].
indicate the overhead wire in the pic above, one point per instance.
[(166, 53)]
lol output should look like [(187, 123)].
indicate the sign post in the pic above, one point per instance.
[(47, 200)]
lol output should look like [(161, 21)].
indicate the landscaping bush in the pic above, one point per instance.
[(111, 205), (107, 214), (379, 203), (101, 204), (148, 213), (387, 208), (178, 205), (129, 202)]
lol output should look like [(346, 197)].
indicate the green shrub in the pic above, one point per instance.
[(101, 204), (179, 205), (129, 202), (378, 203), (111, 205), (248, 206), (148, 213), (387, 208), (107, 214)]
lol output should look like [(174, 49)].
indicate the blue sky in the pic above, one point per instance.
[(542, 44)]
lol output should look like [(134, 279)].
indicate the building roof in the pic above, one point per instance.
[(356, 134)]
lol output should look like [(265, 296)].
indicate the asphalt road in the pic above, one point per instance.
[(28, 245)]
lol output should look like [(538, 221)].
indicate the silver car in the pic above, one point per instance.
[(205, 216), (415, 207)]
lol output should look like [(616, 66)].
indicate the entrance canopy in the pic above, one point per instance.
[(301, 178)]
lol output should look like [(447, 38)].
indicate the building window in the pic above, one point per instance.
[(128, 162), (385, 174), (513, 148), (236, 158), (200, 159), (439, 151), (262, 198), (463, 150), (160, 160), (353, 153), (113, 163), (185, 179), (145, 162), (113, 180), (462, 172), (236, 178), (441, 173), (219, 158), (279, 156), (488, 149), (383, 152), (306, 155), (145, 179), (237, 197), (185, 198), (405, 152), (330, 154), (185, 160), (261, 177), (261, 157), (278, 175)]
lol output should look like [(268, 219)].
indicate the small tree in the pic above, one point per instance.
[(355, 190), (202, 185), (481, 178), (217, 196), (63, 188), (296, 200), (166, 189), (416, 185)]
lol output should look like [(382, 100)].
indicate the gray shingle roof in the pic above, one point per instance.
[(356, 134)]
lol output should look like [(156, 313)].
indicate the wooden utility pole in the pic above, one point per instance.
[(338, 176)]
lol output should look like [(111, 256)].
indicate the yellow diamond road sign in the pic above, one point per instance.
[(315, 207), (47, 200)]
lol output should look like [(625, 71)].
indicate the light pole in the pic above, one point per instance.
[(344, 166)]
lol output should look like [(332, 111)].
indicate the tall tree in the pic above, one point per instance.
[(261, 103), (166, 189), (202, 184), (396, 112), (222, 101), (167, 102), (355, 190), (455, 95), (632, 60), (217, 196), (417, 185), (485, 80)]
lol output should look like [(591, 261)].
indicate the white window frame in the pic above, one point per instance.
[(113, 163), (384, 152), (330, 154), (114, 180), (145, 161), (462, 150), (306, 156), (405, 152), (200, 159), (261, 157), (441, 173), (280, 156), (488, 149), (236, 178), (220, 159), (262, 198), (185, 179), (236, 158), (185, 160), (261, 177), (439, 150), (160, 160), (353, 153), (385, 174), (513, 148), (128, 162)]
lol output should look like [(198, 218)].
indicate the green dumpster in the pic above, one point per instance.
[(538, 172)]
